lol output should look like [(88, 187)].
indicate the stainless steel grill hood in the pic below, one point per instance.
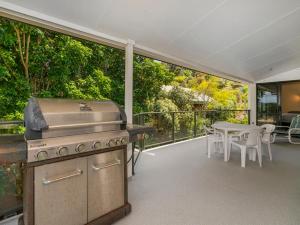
[(46, 118)]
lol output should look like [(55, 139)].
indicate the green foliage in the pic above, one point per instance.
[(60, 66), (223, 94), (94, 86), (181, 98), (165, 106), (149, 77)]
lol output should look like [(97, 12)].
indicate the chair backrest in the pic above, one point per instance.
[(267, 130), (252, 137)]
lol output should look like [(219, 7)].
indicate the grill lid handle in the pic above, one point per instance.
[(86, 124)]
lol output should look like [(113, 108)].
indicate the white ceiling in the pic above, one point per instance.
[(285, 76), (250, 39)]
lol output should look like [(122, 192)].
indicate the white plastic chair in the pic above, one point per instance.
[(248, 140), (267, 130), (213, 137)]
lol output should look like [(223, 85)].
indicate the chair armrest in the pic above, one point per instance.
[(273, 137), (208, 130)]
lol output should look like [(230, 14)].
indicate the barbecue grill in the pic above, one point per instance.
[(76, 170)]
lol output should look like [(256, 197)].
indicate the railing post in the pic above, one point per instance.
[(195, 124), (142, 142), (212, 117), (173, 126), (143, 119), (249, 115)]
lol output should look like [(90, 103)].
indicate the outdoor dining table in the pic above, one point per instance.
[(226, 128)]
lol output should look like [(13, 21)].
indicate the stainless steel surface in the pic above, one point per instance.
[(85, 124), (110, 164), (77, 191), (61, 127), (78, 131), (57, 178), (62, 202), (48, 148), (106, 183), (69, 117), (47, 118)]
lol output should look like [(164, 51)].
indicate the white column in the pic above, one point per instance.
[(252, 102), (129, 93), (129, 80)]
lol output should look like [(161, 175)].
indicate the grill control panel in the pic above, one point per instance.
[(44, 149)]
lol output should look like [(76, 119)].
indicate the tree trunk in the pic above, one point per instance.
[(23, 47)]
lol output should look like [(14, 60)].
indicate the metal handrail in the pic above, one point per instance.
[(196, 111), (192, 126), (12, 122)]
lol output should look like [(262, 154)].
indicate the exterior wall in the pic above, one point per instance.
[(290, 97)]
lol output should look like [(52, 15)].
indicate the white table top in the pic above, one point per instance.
[(233, 126)]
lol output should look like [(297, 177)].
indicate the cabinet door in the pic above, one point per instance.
[(61, 193), (105, 183)]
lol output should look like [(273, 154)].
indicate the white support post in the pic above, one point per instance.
[(252, 102), (129, 94), (129, 80)]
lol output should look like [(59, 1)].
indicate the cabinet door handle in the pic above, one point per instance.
[(103, 166), (75, 173)]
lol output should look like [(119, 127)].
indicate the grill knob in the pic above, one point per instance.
[(63, 151), (80, 148), (42, 155), (123, 141), (97, 145), (111, 143)]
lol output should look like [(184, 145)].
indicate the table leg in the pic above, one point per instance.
[(132, 158), (226, 146)]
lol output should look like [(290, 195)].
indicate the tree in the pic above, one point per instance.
[(149, 77), (42, 63)]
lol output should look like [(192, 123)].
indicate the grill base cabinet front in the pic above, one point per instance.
[(105, 183), (91, 189), (60, 193)]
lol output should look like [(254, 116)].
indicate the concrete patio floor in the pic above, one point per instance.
[(179, 185)]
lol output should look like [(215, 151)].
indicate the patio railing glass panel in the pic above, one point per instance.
[(177, 126)]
